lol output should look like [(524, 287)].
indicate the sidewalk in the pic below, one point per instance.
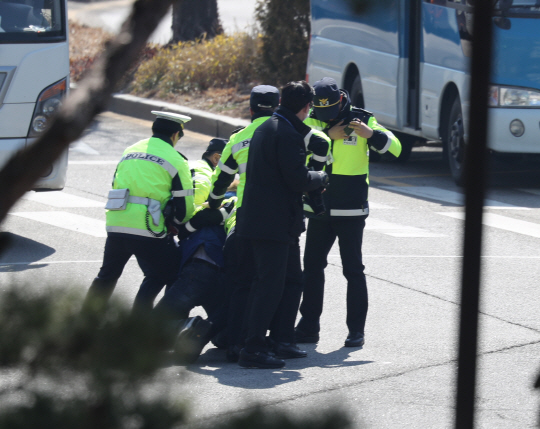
[(201, 122)]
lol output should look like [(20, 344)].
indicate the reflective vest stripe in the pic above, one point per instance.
[(231, 232), (185, 193), (200, 177), (132, 231), (319, 158), (216, 197), (242, 168), (140, 200), (226, 169), (152, 158), (189, 227), (388, 143), (240, 145), (355, 212), (224, 214), (306, 138)]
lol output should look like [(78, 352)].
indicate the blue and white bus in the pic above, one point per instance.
[(408, 62), (34, 76)]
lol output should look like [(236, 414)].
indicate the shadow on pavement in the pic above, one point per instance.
[(213, 363), (21, 252)]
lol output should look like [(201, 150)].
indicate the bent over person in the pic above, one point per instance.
[(150, 173), (352, 132)]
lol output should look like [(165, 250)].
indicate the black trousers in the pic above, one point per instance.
[(275, 293), (239, 274), (320, 236), (158, 258)]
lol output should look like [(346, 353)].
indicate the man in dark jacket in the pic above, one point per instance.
[(271, 219)]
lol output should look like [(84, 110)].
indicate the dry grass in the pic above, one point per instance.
[(86, 43)]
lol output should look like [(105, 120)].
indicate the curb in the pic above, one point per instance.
[(201, 122)]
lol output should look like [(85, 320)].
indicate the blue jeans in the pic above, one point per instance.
[(199, 284)]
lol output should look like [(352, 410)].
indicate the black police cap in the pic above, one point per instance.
[(264, 97)]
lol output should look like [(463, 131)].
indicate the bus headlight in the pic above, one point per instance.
[(48, 102), (503, 96)]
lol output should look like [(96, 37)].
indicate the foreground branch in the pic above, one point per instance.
[(80, 107)]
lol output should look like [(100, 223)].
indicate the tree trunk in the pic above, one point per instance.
[(195, 19)]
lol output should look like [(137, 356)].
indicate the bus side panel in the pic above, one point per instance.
[(369, 41), (8, 147), (28, 82), (444, 63), (15, 120)]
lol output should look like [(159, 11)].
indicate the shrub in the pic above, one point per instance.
[(63, 369), (222, 62), (285, 25)]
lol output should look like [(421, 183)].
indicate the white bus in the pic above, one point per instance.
[(408, 62), (34, 76)]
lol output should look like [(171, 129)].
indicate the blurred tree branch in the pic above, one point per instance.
[(79, 108)]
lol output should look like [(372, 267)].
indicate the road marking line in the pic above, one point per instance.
[(7, 264), (70, 221), (387, 181), (374, 205), (502, 222), (61, 199), (530, 191), (104, 162), (82, 148), (446, 196), (395, 230)]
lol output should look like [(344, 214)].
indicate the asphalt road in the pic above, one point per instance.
[(404, 375)]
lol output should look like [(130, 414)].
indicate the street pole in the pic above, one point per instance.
[(475, 183)]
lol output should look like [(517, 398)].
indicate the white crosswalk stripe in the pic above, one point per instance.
[(102, 162), (81, 147), (61, 199), (439, 194), (377, 206), (396, 230), (70, 221), (502, 222)]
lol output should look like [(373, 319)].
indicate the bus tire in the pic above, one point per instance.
[(357, 98), (454, 142)]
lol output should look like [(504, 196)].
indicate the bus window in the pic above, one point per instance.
[(31, 21)]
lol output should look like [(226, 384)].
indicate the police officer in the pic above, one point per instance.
[(239, 265), (150, 173), (271, 219), (352, 132), (203, 169)]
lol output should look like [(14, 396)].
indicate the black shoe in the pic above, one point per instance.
[(233, 353), (191, 340), (220, 340), (261, 360), (306, 337), (355, 339), (288, 351)]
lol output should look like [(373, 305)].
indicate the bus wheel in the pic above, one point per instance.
[(357, 98), (454, 142)]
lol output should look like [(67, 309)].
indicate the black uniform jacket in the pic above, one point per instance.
[(276, 177)]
